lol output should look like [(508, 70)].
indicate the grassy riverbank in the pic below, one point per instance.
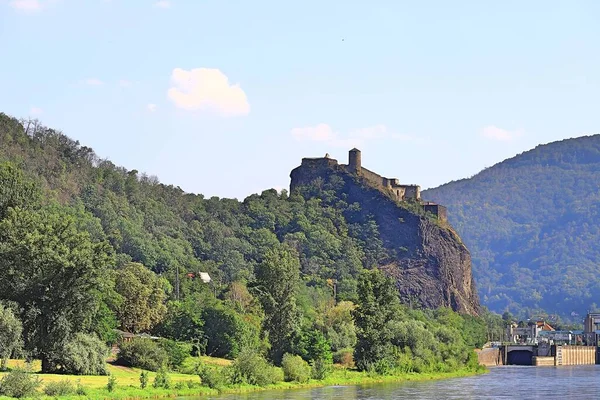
[(128, 384)]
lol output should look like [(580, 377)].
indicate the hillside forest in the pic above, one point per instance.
[(89, 250), (532, 225)]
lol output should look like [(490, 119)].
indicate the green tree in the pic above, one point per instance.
[(10, 335), (277, 278), (51, 270), (378, 305), (143, 298)]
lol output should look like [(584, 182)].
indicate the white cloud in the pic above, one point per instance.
[(125, 83), (208, 90), (503, 135), (35, 111), (26, 5), (152, 107), (93, 82), (162, 4), (356, 138)]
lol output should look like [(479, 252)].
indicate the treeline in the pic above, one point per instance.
[(87, 248), (531, 223)]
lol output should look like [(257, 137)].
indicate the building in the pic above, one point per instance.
[(390, 186)]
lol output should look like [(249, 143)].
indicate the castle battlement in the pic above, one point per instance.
[(391, 186)]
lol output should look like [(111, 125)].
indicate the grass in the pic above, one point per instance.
[(128, 384)]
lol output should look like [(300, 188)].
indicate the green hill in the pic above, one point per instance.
[(531, 223)]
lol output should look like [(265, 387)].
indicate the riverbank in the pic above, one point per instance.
[(128, 386)]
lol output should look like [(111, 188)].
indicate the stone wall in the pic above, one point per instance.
[(490, 357)]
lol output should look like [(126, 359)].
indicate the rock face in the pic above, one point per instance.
[(431, 265)]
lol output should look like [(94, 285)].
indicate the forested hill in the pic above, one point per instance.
[(531, 223)]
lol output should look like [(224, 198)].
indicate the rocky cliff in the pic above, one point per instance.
[(431, 265)]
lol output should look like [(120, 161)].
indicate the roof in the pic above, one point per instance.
[(205, 277)]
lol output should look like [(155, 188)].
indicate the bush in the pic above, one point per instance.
[(295, 369), (142, 353), (84, 355), (253, 369), (162, 379), (212, 377), (320, 368), (144, 379), (60, 388), (19, 383), (176, 352), (344, 357), (111, 384)]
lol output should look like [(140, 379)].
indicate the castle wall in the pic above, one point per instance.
[(412, 192), (374, 179)]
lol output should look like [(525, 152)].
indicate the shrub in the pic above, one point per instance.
[(320, 368), (212, 377), (142, 353), (111, 384), (176, 352), (144, 379), (344, 357), (162, 379), (84, 355), (253, 369), (295, 369), (80, 390), (60, 388), (19, 383)]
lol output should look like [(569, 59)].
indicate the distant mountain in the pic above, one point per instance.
[(532, 225)]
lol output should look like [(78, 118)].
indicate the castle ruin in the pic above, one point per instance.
[(391, 186)]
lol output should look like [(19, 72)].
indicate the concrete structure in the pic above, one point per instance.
[(543, 354), (390, 186)]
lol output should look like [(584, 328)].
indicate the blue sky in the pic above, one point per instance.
[(225, 97)]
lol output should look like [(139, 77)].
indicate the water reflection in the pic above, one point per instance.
[(582, 382)]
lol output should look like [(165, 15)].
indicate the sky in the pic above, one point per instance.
[(225, 97)]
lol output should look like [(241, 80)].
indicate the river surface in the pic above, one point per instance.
[(509, 382)]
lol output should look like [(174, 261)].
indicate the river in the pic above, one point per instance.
[(580, 382)]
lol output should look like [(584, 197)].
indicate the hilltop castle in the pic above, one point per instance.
[(390, 186)]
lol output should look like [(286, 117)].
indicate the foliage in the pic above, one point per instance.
[(52, 270), (162, 379), (176, 352), (142, 353), (531, 224), (59, 388), (19, 383), (277, 278), (111, 384), (83, 354), (10, 335), (212, 377), (378, 306), (228, 332), (295, 369), (143, 298), (144, 379), (251, 368), (320, 368)]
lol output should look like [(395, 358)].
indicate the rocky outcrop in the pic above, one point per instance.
[(431, 265)]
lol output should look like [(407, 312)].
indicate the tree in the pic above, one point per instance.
[(277, 278), (10, 335), (378, 305), (143, 298), (15, 189), (52, 271)]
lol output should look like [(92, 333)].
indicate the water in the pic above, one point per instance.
[(510, 382)]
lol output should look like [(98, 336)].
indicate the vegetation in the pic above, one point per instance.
[(88, 248), (531, 223)]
